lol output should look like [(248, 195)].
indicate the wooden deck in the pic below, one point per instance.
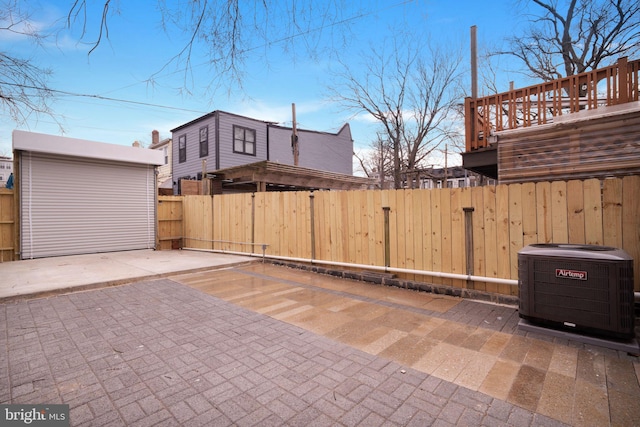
[(542, 104)]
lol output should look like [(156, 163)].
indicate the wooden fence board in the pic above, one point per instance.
[(378, 222), (289, 218), (490, 249), (457, 232), (7, 225), (416, 229), (612, 212), (393, 226), (559, 213), (304, 206), (445, 208), (544, 212), (426, 231), (170, 223), (407, 225), (479, 261), (324, 224), (516, 240), (436, 229), (502, 236), (400, 229), (427, 227), (345, 226), (369, 231), (630, 225), (593, 212), (529, 218), (575, 210), (458, 245), (259, 222), (355, 230)]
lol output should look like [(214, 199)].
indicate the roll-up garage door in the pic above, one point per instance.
[(75, 205)]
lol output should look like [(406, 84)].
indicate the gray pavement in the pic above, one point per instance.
[(159, 353), (157, 350), (48, 276)]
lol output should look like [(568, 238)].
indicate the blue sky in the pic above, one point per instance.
[(137, 48)]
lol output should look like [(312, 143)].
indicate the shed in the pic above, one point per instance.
[(76, 196)]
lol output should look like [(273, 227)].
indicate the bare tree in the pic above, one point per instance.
[(567, 37), (377, 160), (411, 92), (226, 33), (23, 84)]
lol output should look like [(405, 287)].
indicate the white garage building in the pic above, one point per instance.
[(78, 197)]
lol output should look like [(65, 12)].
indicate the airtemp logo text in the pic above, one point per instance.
[(571, 274)]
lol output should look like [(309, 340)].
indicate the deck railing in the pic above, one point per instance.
[(540, 104)]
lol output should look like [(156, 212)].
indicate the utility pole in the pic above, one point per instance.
[(446, 171), (294, 137), (474, 63)]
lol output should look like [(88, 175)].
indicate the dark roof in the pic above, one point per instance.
[(213, 113), (294, 177)]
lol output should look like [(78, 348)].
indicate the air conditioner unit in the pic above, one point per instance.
[(581, 288)]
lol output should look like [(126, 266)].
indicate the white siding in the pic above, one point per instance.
[(72, 205)]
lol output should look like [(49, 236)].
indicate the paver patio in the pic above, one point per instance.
[(266, 345)]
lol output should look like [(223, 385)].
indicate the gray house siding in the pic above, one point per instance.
[(230, 158), (318, 150), (193, 163)]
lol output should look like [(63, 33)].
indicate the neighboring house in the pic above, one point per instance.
[(6, 169), (221, 140), (164, 171), (452, 177)]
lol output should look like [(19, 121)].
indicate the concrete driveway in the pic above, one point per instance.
[(48, 276)]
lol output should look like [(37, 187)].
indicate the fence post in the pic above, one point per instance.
[(468, 241), (387, 237), (253, 223), (313, 228)]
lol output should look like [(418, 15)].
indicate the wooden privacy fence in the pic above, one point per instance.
[(415, 229), (7, 225)]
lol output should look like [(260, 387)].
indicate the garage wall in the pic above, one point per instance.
[(76, 205)]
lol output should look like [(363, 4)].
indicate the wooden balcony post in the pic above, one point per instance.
[(469, 120), (624, 91)]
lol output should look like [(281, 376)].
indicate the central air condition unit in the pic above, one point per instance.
[(582, 288)]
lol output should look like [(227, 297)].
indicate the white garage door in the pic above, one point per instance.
[(74, 205)]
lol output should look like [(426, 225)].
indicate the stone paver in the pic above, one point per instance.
[(160, 353), (463, 342)]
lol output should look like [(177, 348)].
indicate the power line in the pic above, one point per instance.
[(148, 104), (100, 97), (283, 39)]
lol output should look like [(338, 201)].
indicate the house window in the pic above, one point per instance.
[(204, 141), (165, 150), (244, 140), (182, 148), (461, 183)]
